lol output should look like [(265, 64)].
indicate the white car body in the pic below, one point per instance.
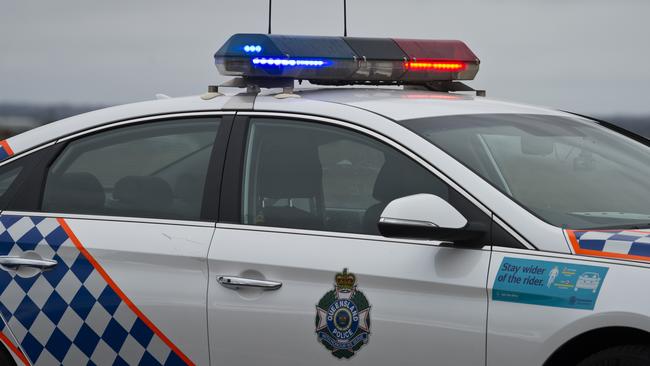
[(430, 303)]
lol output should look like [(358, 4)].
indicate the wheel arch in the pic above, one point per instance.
[(584, 344)]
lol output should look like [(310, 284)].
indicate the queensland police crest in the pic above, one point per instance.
[(343, 317)]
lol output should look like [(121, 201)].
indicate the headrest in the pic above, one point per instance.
[(143, 193), (401, 177), (74, 192), (290, 170)]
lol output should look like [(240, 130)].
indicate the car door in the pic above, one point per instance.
[(299, 273), (103, 249), (10, 176)]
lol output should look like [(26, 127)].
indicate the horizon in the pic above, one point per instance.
[(576, 55)]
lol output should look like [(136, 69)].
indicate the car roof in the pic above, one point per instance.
[(402, 104), (336, 102)]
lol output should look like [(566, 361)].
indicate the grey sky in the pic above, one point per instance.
[(589, 56)]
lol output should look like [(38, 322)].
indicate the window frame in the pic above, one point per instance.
[(29, 197), (232, 186)]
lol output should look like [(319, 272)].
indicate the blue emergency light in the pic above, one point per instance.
[(346, 60)]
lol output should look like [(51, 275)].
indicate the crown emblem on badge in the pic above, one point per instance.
[(344, 280)]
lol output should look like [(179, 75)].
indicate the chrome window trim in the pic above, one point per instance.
[(141, 220), (335, 234), (381, 138), (143, 119), (26, 152), (99, 129), (119, 123), (112, 124), (345, 124), (403, 150), (302, 116)]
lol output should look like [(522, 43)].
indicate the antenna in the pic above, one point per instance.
[(270, 6), (345, 18)]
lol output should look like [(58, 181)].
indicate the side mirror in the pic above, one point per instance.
[(426, 216)]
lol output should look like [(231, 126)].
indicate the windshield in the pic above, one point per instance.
[(569, 171)]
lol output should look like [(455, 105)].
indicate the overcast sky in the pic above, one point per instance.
[(589, 56)]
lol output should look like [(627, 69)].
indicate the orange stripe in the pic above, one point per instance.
[(6, 146), (121, 294), (599, 253), (15, 350)]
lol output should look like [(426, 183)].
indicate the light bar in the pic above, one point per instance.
[(346, 60)]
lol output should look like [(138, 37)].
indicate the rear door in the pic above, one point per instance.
[(104, 248), (11, 175), (299, 273)]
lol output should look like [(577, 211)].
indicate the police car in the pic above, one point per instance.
[(408, 221)]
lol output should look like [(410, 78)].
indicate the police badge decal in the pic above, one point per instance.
[(343, 317)]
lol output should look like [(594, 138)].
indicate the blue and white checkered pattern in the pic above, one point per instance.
[(70, 315), (633, 243)]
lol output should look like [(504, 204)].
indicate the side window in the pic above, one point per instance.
[(311, 176), (155, 170), (8, 174)]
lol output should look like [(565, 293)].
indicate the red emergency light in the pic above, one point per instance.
[(436, 65)]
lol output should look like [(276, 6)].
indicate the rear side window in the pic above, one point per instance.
[(8, 175), (152, 170)]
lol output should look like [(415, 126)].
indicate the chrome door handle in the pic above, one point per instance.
[(13, 262), (235, 283)]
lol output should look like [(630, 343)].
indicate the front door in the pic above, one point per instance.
[(118, 246), (300, 274)]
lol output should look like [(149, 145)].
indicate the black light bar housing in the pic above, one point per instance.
[(346, 60)]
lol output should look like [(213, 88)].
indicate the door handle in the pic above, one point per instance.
[(13, 262), (235, 283)]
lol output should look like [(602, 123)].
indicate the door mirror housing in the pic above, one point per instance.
[(427, 216)]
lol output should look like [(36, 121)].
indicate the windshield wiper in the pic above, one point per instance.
[(614, 215), (637, 226), (629, 220)]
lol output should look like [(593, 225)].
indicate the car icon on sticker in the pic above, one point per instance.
[(589, 281)]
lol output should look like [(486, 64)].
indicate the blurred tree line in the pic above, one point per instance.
[(17, 118)]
